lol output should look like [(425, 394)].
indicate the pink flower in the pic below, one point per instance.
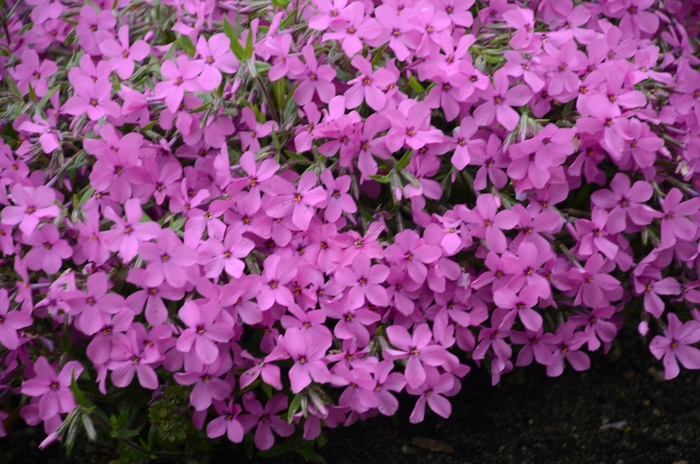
[(256, 130), (487, 223), (11, 322), (227, 255), (568, 348), (208, 386), (410, 125), (126, 236), (623, 202), (217, 57), (206, 325), (130, 357), (121, 55), (674, 346), (432, 392), (168, 260), (412, 253), (48, 249), (675, 224), (31, 72), (365, 281), (93, 99), (369, 86), (177, 79), (300, 201), (31, 206), (266, 420), (593, 285), (500, 100), (308, 352), (94, 306), (521, 303), (314, 79), (277, 273), (94, 28), (418, 349), (54, 389), (227, 423), (536, 344), (351, 28), (339, 201)]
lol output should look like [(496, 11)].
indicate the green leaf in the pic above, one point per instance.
[(261, 67), (266, 389), (278, 88), (186, 45), (288, 20), (280, 3), (235, 45), (405, 159), (8, 134), (79, 396), (378, 55), (199, 109), (13, 87), (381, 179), (276, 141), (86, 196), (177, 225), (279, 449), (45, 98), (294, 407), (170, 52), (415, 85), (249, 45)]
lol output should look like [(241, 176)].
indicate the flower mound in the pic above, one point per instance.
[(273, 217)]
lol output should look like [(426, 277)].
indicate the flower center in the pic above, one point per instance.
[(165, 257), (93, 102)]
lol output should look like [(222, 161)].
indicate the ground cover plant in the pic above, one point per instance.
[(257, 219)]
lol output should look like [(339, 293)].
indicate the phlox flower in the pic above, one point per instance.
[(32, 72), (93, 99), (624, 202), (568, 347), (364, 281), (99, 350), (489, 224), (265, 419), (126, 236), (208, 386), (500, 100), (368, 86), (432, 392), (536, 344), (314, 79), (167, 260), (206, 325), (299, 201), (53, 388), (176, 79), (277, 273), (48, 249), (308, 352), (129, 357), (122, 55), (675, 225), (217, 57), (351, 28), (11, 322), (418, 349), (227, 423), (31, 206), (522, 303), (227, 255), (674, 346)]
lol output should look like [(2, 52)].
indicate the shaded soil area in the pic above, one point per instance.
[(621, 412)]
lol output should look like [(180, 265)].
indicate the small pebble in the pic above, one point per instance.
[(646, 403), (656, 412)]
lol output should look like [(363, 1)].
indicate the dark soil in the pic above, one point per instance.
[(620, 411)]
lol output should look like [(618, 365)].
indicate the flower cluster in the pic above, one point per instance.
[(305, 208)]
